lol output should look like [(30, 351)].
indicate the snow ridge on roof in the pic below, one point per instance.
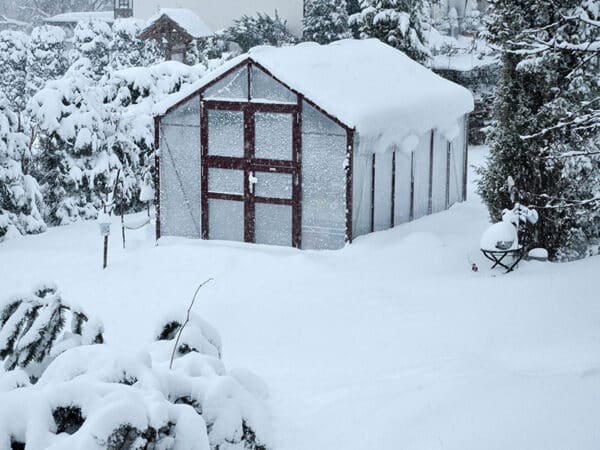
[(369, 86), (186, 19), (74, 17)]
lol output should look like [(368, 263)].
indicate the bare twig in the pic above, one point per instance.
[(187, 319)]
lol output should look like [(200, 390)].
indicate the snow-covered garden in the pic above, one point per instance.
[(392, 342)]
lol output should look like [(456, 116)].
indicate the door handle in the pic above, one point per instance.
[(252, 180)]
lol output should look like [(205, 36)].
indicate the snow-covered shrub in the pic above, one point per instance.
[(20, 197), (262, 29), (36, 328), (91, 40), (399, 23), (126, 50), (46, 57), (76, 167), (325, 21), (94, 397), (13, 66)]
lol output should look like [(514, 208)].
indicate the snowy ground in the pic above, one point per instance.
[(391, 343)]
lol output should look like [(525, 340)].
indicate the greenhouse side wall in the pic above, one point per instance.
[(323, 181), (179, 154)]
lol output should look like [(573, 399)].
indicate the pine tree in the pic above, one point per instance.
[(46, 57), (92, 40), (326, 21), (13, 66), (399, 23), (20, 197), (545, 136)]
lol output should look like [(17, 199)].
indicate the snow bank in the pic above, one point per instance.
[(366, 84)]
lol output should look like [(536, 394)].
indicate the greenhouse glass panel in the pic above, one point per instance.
[(273, 135), (439, 173), (226, 133), (383, 191), (226, 181), (226, 220), (273, 185), (266, 89), (421, 175), (402, 188), (273, 224), (233, 87)]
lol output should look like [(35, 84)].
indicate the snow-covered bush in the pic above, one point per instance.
[(13, 66), (46, 57), (92, 40), (399, 23), (20, 197), (36, 328), (325, 21), (93, 397), (126, 50), (75, 166), (262, 29)]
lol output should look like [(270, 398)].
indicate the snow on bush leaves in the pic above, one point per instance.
[(33, 330), (93, 397)]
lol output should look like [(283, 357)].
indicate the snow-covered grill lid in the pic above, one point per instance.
[(369, 86)]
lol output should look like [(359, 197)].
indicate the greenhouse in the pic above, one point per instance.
[(309, 146)]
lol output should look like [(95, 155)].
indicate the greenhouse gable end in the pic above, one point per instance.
[(309, 146)]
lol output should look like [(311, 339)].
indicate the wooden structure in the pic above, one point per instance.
[(123, 9), (247, 155), (174, 29)]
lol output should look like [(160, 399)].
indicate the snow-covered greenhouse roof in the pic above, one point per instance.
[(185, 18), (74, 17), (388, 98)]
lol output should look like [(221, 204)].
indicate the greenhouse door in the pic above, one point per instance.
[(250, 173)]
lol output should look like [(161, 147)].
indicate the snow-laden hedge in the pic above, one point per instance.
[(96, 397)]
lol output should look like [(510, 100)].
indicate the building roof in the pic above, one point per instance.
[(74, 17), (367, 85), (185, 18)]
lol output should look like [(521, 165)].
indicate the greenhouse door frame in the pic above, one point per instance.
[(252, 165)]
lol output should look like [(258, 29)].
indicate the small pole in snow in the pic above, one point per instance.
[(105, 263)]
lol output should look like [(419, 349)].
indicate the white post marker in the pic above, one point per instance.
[(104, 224)]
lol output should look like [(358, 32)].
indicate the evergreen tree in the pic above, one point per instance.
[(75, 165), (20, 197), (262, 29), (46, 57), (325, 21), (399, 23), (126, 50), (353, 7), (13, 66), (545, 136), (92, 40)]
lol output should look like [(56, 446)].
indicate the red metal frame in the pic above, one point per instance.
[(250, 164), (157, 175), (393, 208), (466, 158), (448, 162), (349, 184), (431, 156)]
